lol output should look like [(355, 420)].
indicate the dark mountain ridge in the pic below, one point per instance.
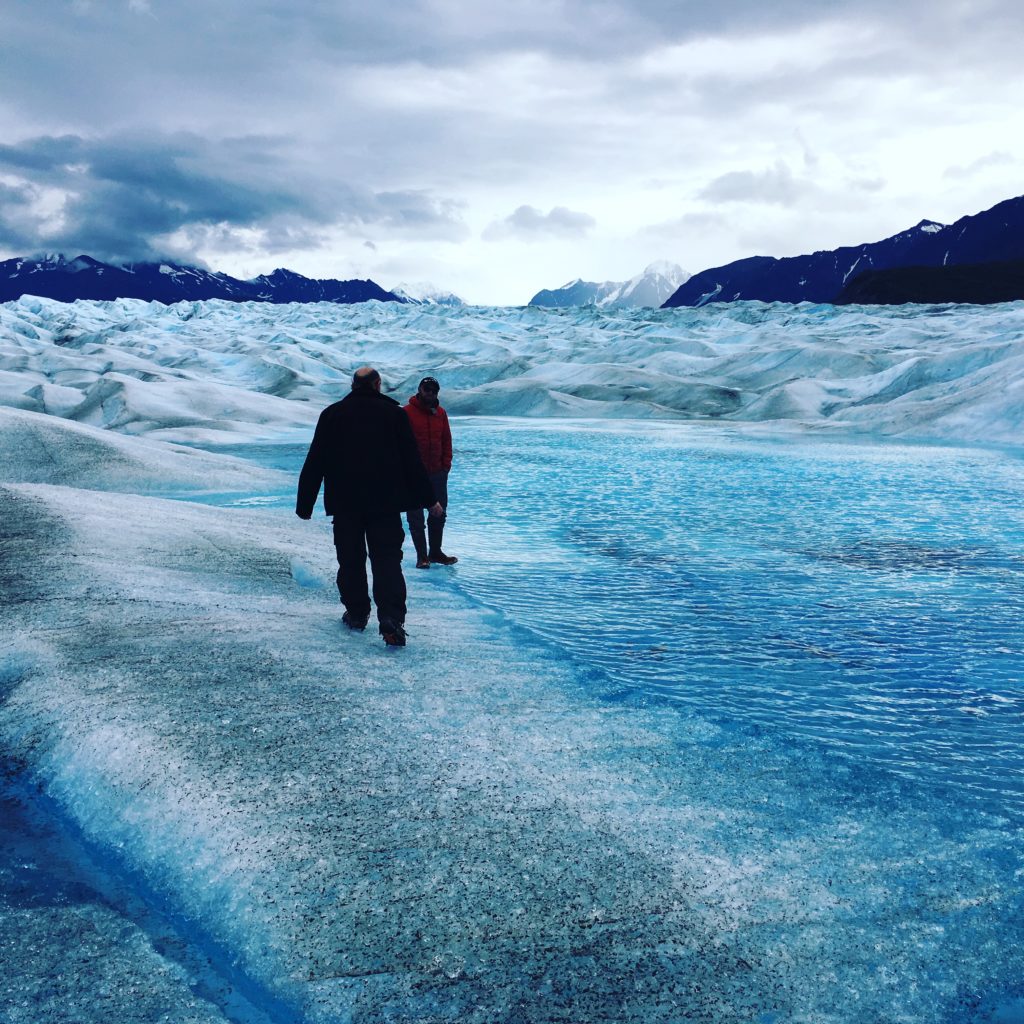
[(990, 236), (976, 283), (55, 277)]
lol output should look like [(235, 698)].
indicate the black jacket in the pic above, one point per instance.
[(365, 455)]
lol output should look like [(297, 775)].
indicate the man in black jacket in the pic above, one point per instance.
[(365, 455)]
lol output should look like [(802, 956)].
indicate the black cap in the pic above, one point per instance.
[(430, 383)]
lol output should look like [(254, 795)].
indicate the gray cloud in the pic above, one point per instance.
[(433, 32), (866, 184), (995, 159), (704, 220), (412, 209), (684, 236), (776, 186), (275, 126), (20, 196), (268, 58), (18, 217), (811, 158), (122, 195), (529, 224)]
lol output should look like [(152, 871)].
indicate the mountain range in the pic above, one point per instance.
[(55, 277), (650, 288), (994, 235), (977, 259)]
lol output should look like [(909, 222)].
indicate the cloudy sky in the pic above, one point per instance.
[(498, 148)]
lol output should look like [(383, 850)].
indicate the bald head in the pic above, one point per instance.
[(366, 378)]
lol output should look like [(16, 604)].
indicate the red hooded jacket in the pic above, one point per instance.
[(432, 433)]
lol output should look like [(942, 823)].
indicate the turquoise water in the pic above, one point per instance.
[(862, 600), (865, 599)]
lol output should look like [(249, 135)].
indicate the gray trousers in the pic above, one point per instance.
[(418, 529)]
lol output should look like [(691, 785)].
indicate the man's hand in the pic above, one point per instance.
[(308, 515), (436, 510)]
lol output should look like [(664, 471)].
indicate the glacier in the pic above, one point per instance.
[(717, 718), (198, 372)]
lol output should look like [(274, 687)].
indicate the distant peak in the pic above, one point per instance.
[(426, 293), (664, 267), (83, 262)]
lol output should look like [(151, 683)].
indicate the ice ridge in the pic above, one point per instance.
[(208, 371)]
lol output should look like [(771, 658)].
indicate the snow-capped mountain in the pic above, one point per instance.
[(574, 293), (659, 279), (651, 287), (425, 294), (993, 235), (56, 277)]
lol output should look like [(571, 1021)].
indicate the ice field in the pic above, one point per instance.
[(714, 720), (219, 370)]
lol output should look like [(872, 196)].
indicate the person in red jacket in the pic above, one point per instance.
[(434, 440)]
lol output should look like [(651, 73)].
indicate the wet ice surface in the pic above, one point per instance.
[(827, 636), (78, 945), (868, 599), (646, 785)]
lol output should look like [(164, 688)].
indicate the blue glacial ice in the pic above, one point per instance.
[(198, 372), (710, 722)]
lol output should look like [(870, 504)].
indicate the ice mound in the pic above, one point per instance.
[(45, 449), (208, 371), (180, 411)]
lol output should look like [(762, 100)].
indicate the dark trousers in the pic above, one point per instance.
[(356, 534), (417, 529)]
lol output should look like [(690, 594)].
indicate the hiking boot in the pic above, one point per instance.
[(393, 633), (355, 621), (440, 558), (423, 563)]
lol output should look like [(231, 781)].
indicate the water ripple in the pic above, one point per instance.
[(865, 599)]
